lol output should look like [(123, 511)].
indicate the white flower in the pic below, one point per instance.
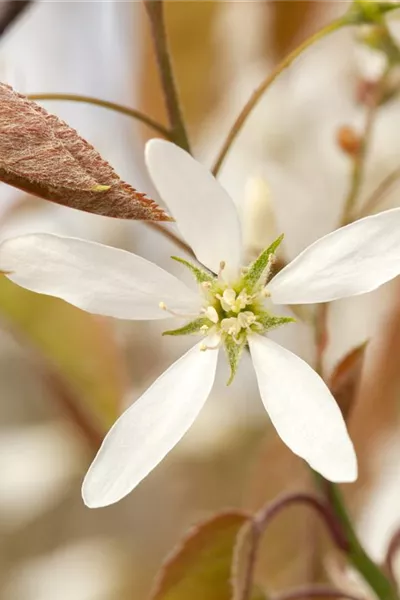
[(227, 309)]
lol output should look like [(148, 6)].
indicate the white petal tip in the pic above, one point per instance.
[(154, 144), (344, 472)]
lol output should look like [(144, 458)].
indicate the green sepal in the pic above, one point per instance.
[(268, 321), (192, 327), (234, 352), (258, 269), (201, 275)]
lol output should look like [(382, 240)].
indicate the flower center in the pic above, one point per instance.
[(232, 310)]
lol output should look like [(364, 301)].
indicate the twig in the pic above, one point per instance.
[(167, 233), (359, 160), (379, 193), (155, 11), (125, 110), (266, 83), (68, 400), (265, 516)]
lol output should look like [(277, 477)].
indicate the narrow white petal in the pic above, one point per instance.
[(350, 261), (97, 278), (303, 410), (205, 214), (150, 428)]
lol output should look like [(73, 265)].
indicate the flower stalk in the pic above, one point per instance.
[(266, 83), (371, 572), (155, 12)]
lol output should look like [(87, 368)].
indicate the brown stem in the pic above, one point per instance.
[(170, 235), (379, 193), (265, 516), (125, 110), (265, 84), (68, 400), (359, 160), (155, 11)]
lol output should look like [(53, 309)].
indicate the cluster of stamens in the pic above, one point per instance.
[(231, 309)]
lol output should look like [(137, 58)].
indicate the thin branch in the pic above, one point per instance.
[(10, 11), (266, 515), (359, 160), (266, 83), (67, 398), (167, 233), (155, 12), (125, 110), (393, 549), (379, 194), (315, 591)]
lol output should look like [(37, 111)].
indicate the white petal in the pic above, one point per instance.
[(150, 428), (205, 214), (303, 410), (350, 261), (97, 278)]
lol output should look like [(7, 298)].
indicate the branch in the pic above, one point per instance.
[(379, 193), (155, 12), (265, 516), (359, 159), (264, 85), (130, 112)]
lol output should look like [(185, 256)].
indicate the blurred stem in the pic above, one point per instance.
[(130, 112), (69, 402), (379, 194), (356, 554), (267, 514), (359, 160), (393, 549), (267, 82), (155, 12)]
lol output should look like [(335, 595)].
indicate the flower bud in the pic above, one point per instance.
[(348, 140)]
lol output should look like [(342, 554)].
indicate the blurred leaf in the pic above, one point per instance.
[(42, 155), (79, 345), (346, 378), (201, 566)]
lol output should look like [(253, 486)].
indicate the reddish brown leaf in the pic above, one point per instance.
[(201, 566), (42, 155), (346, 377)]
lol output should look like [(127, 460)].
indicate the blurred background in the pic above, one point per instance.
[(66, 375)]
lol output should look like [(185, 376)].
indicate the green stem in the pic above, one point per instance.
[(356, 554), (155, 11), (130, 112), (266, 83)]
